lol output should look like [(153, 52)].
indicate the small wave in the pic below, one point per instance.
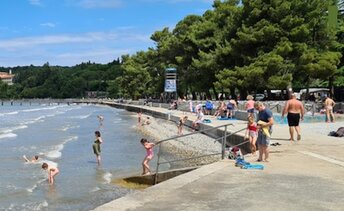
[(107, 177), (18, 127), (41, 205), (38, 119), (81, 116), (9, 113), (56, 153), (11, 129), (68, 127), (30, 190), (95, 189), (8, 135), (40, 109)]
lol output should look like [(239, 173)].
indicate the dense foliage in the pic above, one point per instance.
[(238, 47), (62, 82)]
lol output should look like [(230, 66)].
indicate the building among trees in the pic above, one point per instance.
[(7, 77)]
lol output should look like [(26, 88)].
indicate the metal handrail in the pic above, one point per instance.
[(193, 133), (224, 138)]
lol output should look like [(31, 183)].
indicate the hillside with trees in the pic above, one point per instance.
[(233, 48)]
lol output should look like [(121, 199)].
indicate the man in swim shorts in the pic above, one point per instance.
[(329, 104), (295, 111), (265, 120)]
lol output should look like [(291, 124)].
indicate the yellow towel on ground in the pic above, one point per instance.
[(265, 127)]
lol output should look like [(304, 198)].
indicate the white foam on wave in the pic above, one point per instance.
[(38, 119), (31, 189), (68, 127), (9, 113), (107, 177), (8, 135), (43, 108), (81, 116), (95, 189), (11, 129), (56, 152), (41, 205)]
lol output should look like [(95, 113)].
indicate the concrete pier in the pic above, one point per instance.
[(304, 175)]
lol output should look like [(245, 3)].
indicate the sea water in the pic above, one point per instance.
[(62, 135)]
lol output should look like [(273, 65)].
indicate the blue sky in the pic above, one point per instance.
[(68, 32)]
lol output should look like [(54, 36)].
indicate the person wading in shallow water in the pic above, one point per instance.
[(52, 172), (96, 146), (295, 111)]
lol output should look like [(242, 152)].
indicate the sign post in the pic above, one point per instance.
[(171, 82)]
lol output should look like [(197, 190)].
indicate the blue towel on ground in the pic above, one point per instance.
[(206, 121), (253, 166), (226, 118)]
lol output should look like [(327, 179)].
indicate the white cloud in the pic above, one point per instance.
[(71, 49), (51, 25), (35, 2), (178, 1), (99, 3)]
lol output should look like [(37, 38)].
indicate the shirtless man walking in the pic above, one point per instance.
[(295, 111), (329, 104)]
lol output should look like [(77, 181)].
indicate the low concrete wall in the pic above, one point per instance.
[(215, 133)]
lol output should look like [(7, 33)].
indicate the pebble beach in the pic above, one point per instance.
[(185, 147)]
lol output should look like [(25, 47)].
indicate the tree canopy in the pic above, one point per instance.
[(237, 46)]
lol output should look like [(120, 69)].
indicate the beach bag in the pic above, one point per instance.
[(208, 105)]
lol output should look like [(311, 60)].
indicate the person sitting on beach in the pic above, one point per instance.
[(52, 172), (180, 124), (96, 146), (221, 109), (34, 159), (199, 119), (251, 134), (149, 156)]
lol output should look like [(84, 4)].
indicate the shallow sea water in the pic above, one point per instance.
[(62, 135)]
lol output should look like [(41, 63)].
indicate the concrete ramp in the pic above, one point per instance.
[(142, 181)]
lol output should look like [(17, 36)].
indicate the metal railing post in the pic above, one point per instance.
[(157, 166), (224, 140)]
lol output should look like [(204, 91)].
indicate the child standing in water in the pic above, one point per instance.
[(149, 155), (52, 172), (251, 134), (96, 146)]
